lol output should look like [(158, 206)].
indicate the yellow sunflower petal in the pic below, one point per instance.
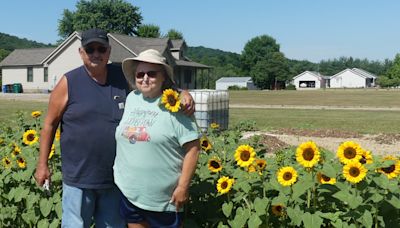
[(170, 98), (30, 137), (354, 172), (307, 154), (287, 176), (244, 155), (349, 151), (224, 184)]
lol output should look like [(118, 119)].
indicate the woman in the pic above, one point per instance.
[(157, 150)]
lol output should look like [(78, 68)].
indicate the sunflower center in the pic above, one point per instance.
[(278, 208), (8, 161), (350, 153), (171, 100), (214, 164), (204, 143), (389, 169), (308, 154), (287, 176), (245, 156), (325, 178), (20, 160), (30, 137), (363, 160), (224, 184), (354, 171)]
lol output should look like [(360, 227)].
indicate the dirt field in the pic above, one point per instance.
[(378, 144)]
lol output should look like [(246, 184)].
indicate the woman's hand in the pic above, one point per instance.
[(180, 197)]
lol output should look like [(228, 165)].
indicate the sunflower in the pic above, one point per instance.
[(261, 164), (170, 98), (366, 157), (30, 137), (224, 184), (15, 151), (278, 210), (205, 144), (322, 179), (21, 162), (349, 151), (307, 154), (58, 134), (354, 172), (251, 168), (393, 170), (287, 176), (244, 155), (1, 141), (7, 163), (36, 114), (214, 125), (214, 165), (53, 149)]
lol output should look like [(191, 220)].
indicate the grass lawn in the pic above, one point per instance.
[(9, 109), (329, 97)]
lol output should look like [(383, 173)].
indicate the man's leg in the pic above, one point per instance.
[(77, 207), (107, 213)]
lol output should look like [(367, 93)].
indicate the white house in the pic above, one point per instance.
[(310, 80), (40, 69), (352, 78), (242, 82)]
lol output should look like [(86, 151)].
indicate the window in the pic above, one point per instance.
[(46, 75), (30, 75)]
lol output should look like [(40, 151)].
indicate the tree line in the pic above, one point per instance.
[(260, 58)]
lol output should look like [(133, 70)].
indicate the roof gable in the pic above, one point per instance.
[(313, 73), (351, 71)]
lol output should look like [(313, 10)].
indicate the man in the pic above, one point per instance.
[(88, 102)]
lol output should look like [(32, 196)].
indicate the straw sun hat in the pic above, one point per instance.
[(148, 56)]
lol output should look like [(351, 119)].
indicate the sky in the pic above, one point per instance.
[(311, 30)]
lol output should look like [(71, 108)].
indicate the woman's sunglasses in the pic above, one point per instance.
[(150, 74), (100, 49)]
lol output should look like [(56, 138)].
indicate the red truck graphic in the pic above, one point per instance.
[(134, 134)]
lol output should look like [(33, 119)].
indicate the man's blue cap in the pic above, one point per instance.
[(94, 35)]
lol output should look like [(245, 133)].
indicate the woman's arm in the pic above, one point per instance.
[(181, 192)]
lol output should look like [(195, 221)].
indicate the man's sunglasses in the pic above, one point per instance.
[(100, 49), (150, 74)]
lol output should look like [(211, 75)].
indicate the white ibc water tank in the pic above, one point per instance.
[(212, 106)]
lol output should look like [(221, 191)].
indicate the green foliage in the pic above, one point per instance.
[(235, 87), (268, 72), (392, 77), (116, 16), (174, 35), (149, 31), (22, 202), (8, 43), (257, 197)]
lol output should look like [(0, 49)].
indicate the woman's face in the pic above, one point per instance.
[(149, 79)]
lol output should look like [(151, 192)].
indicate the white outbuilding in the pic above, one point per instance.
[(310, 80), (242, 82), (353, 78)]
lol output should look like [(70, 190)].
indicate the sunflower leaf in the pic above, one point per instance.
[(45, 207), (366, 219), (312, 220), (254, 221), (328, 170), (295, 215), (261, 205), (393, 200), (227, 209)]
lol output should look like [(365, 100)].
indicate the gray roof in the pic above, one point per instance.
[(26, 57), (364, 73), (177, 44), (191, 64), (234, 79)]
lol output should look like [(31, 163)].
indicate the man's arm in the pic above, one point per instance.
[(57, 104)]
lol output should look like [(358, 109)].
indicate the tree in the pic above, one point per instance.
[(257, 49), (392, 77), (149, 31), (174, 34), (267, 73), (117, 16)]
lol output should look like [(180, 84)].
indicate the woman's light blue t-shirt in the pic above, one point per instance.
[(149, 155)]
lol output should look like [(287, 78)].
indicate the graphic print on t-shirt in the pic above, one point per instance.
[(137, 123)]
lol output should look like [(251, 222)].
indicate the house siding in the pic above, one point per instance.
[(347, 79), (66, 60), (14, 75)]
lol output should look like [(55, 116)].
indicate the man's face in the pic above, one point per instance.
[(95, 55)]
